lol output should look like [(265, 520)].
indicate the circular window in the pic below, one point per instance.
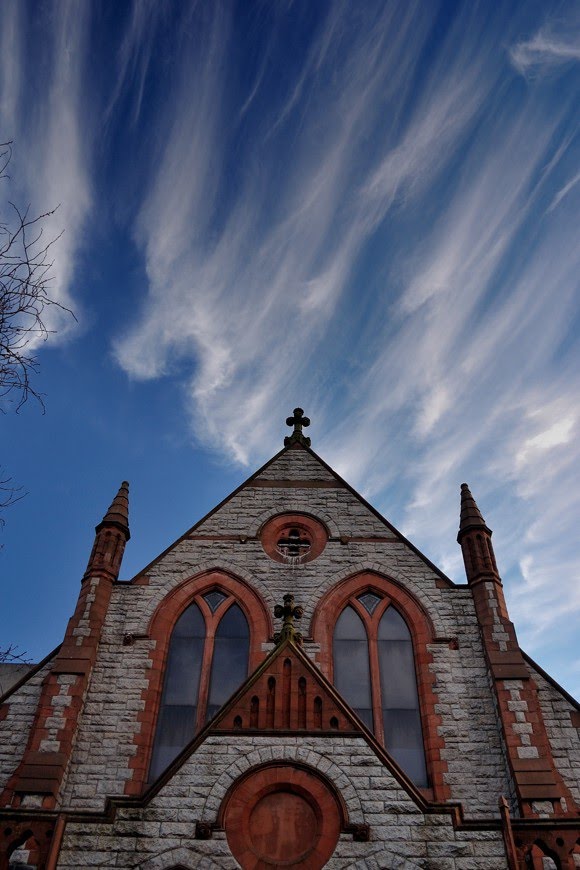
[(293, 538), (282, 816), (294, 544)]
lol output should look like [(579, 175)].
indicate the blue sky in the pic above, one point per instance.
[(366, 209)]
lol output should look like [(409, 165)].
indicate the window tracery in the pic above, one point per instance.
[(207, 661), (374, 637), (199, 588), (374, 670), (293, 538)]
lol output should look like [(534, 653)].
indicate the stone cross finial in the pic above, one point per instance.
[(298, 421), (289, 612)]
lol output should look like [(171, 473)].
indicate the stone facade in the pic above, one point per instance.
[(77, 735), (17, 714), (401, 835), (562, 720)]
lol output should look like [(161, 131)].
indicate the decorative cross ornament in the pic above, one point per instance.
[(298, 421), (290, 613)]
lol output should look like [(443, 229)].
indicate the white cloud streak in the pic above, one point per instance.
[(233, 302), (50, 167), (134, 56), (564, 191), (456, 185), (550, 48), (10, 67)]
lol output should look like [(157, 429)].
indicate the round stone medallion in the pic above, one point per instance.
[(281, 816), (283, 828)]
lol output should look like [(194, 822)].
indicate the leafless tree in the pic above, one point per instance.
[(25, 276), (11, 654), (10, 493)]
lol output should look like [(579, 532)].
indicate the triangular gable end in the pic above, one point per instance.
[(381, 518), (326, 476), (333, 708), (5, 697), (287, 693)]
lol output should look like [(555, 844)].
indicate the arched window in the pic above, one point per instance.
[(374, 670), (26, 855), (352, 676), (207, 661)]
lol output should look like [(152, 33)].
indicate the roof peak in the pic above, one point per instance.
[(298, 420)]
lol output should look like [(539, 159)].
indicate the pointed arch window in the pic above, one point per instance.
[(374, 670), (207, 661)]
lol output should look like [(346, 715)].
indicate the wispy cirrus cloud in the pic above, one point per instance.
[(465, 374), (252, 302), (361, 208), (554, 45), (275, 264), (43, 110), (10, 64), (564, 191), (389, 239), (134, 55)]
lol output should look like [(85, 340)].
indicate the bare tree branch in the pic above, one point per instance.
[(9, 493), (25, 283), (12, 655), (25, 300)]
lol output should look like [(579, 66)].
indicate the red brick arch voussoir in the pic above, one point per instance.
[(422, 632), (161, 625)]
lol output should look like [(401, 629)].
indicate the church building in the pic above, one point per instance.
[(291, 684)]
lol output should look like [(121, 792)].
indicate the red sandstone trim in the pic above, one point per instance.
[(35, 834), (445, 581), (282, 782), (422, 633), (288, 695), (509, 671), (160, 628), (42, 771), (279, 525), (271, 483)]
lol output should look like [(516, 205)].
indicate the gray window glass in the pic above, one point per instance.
[(400, 701), (230, 658), (351, 664), (178, 711), (214, 599), (369, 601), (404, 741)]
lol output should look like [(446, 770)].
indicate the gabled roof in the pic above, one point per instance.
[(30, 673), (551, 680), (338, 481), (333, 706), (318, 708)]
